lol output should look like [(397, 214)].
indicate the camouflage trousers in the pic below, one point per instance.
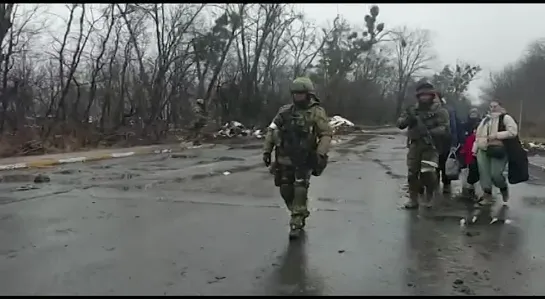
[(293, 183), (196, 130), (420, 157)]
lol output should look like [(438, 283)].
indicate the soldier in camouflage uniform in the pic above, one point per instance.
[(199, 110), (428, 124), (300, 135)]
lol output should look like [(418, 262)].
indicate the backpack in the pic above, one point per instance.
[(517, 167)]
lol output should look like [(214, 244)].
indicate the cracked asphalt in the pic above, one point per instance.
[(211, 222)]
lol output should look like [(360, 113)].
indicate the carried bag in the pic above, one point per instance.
[(517, 158), (452, 165), (496, 151)]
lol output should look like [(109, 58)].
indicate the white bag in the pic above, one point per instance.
[(452, 166)]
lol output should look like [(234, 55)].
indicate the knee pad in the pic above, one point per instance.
[(301, 183), (428, 166)]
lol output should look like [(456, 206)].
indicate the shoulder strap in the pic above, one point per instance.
[(501, 124)]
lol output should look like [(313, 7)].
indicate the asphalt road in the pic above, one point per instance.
[(210, 222)]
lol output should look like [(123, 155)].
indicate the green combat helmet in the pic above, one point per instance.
[(302, 84)]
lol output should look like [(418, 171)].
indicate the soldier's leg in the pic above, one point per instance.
[(428, 172), (413, 176), (197, 136), (300, 196), (284, 178)]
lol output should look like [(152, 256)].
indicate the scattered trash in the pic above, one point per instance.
[(235, 129)]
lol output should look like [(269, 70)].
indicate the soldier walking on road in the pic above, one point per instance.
[(301, 136), (199, 110), (428, 124)]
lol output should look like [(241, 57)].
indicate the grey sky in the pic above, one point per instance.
[(491, 35)]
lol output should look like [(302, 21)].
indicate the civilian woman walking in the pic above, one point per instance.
[(491, 154)]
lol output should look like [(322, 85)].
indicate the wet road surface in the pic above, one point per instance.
[(211, 222)]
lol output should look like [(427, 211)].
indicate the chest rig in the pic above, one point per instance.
[(428, 118), (297, 134)]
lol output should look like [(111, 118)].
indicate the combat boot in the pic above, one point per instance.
[(297, 224), (412, 203), (295, 232), (428, 199)]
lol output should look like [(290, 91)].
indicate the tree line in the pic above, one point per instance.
[(104, 71)]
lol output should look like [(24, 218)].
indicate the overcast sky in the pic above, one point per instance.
[(491, 35)]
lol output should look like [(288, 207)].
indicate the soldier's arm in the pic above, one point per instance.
[(443, 124), (269, 136), (323, 130), (403, 120)]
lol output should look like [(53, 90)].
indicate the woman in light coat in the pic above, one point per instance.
[(490, 152)]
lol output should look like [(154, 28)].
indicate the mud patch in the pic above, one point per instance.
[(116, 176), (327, 199), (67, 171), (17, 178), (224, 158), (183, 156), (221, 172)]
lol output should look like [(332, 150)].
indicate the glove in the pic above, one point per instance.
[(267, 159), (321, 163), (411, 117)]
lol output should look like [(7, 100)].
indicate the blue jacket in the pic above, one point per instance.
[(457, 134)]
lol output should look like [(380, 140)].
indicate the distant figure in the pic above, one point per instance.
[(199, 110), (473, 120)]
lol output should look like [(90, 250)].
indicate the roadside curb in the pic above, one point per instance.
[(89, 157)]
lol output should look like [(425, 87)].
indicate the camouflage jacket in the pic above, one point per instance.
[(294, 130), (435, 120), (199, 112)]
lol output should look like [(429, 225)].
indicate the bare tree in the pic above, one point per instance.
[(412, 55)]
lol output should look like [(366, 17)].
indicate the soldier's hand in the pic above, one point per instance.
[(411, 117), (322, 160), (267, 159)]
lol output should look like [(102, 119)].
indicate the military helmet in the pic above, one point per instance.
[(302, 84), (425, 88), (200, 101)]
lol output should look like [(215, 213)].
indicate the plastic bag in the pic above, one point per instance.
[(452, 166)]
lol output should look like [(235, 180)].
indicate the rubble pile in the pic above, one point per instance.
[(237, 129)]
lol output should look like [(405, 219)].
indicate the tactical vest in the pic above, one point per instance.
[(430, 120), (297, 134)]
